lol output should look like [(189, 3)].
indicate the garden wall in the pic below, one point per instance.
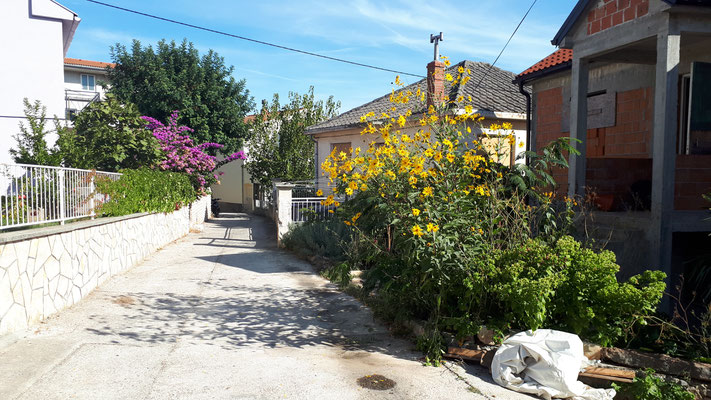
[(45, 270)]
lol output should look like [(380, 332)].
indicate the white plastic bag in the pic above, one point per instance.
[(545, 363)]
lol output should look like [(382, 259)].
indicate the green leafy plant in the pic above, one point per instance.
[(109, 135), (145, 190), (32, 146), (173, 76), (279, 149), (651, 387)]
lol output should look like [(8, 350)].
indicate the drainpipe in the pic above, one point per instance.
[(528, 116)]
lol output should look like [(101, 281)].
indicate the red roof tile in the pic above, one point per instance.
[(559, 57), (87, 63)]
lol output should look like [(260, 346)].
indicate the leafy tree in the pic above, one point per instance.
[(109, 135), (175, 77), (32, 146), (278, 147)]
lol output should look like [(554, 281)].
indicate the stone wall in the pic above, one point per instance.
[(45, 270)]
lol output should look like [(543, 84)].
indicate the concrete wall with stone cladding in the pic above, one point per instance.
[(45, 270)]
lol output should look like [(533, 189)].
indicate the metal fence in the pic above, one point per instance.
[(308, 209), (33, 194)]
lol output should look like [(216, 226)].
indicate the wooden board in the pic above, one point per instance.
[(610, 372), (464, 354)]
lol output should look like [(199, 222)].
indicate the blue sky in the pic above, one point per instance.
[(392, 34)]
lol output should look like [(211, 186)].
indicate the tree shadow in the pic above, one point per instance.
[(240, 316)]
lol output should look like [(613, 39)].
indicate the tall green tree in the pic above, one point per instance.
[(109, 135), (32, 146), (278, 147), (175, 77)]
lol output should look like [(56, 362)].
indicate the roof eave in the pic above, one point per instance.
[(543, 72), (569, 22)]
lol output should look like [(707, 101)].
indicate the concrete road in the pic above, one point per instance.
[(223, 314)]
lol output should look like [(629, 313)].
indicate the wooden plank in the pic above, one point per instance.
[(619, 373), (583, 375), (464, 354)]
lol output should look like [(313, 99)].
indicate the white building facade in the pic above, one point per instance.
[(36, 35)]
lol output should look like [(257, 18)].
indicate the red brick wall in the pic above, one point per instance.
[(631, 137), (615, 12), (549, 108), (693, 178)]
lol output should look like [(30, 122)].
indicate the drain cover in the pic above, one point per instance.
[(376, 382)]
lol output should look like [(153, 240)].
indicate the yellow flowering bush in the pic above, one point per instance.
[(435, 207)]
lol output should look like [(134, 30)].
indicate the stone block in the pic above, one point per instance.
[(44, 251), (22, 251), (51, 268), (5, 295), (34, 308), (7, 256)]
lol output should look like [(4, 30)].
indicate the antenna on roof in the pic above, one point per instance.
[(436, 39)]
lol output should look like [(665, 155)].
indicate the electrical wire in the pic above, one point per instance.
[(253, 40), (505, 45)]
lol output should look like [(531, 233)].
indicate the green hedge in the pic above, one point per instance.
[(145, 190)]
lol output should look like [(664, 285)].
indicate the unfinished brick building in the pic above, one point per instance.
[(632, 82)]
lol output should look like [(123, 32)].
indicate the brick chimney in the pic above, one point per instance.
[(435, 83)]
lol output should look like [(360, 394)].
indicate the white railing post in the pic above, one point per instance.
[(283, 204), (92, 188), (62, 206)]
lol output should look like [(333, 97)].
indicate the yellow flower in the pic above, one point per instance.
[(432, 227), (401, 121), (319, 193), (428, 191), (450, 157), (412, 180), (330, 211), (417, 231), (415, 212), (448, 77), (521, 144), (349, 191)]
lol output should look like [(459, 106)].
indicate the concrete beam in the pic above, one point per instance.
[(578, 125), (664, 145), (621, 36)]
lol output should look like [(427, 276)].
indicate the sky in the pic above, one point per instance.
[(392, 34)]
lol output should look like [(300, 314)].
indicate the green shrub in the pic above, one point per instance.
[(574, 289), (651, 387), (145, 190), (318, 238)]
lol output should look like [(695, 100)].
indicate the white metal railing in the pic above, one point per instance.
[(309, 208), (35, 194)]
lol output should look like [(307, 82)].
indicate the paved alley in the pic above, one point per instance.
[(223, 314)]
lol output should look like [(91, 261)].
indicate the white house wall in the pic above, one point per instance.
[(33, 67)]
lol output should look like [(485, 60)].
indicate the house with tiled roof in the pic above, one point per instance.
[(631, 82), (85, 81), (492, 94)]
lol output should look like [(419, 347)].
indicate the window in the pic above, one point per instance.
[(694, 118), (87, 82), (342, 147)]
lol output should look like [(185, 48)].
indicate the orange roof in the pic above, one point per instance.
[(561, 56), (87, 63)]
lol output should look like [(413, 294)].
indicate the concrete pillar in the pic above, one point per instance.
[(578, 125), (283, 204), (664, 147)]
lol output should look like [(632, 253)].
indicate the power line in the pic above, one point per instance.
[(253, 40), (504, 48)]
